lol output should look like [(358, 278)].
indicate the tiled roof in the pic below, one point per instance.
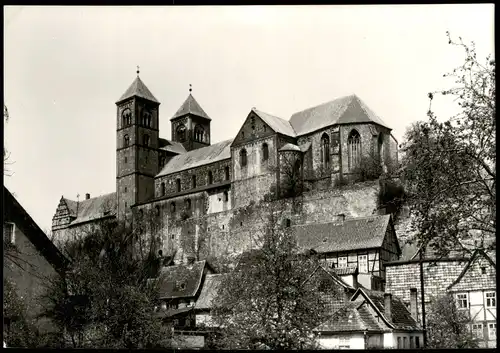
[(181, 281), (344, 271), (277, 124), (344, 110), (290, 147), (198, 157), (138, 89), (190, 106), (209, 290), (401, 317), (92, 209), (354, 316), (355, 233), (172, 146)]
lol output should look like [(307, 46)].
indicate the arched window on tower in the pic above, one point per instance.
[(243, 158), (146, 140), (210, 177), (198, 133), (265, 152), (178, 185), (325, 151), (163, 189), (127, 117), (181, 133), (126, 141), (353, 149), (146, 118)]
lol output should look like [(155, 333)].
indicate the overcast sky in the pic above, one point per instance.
[(65, 67)]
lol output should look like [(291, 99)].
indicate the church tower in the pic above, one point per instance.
[(136, 146), (191, 125)]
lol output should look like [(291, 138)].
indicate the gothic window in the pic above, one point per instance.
[(226, 173), (243, 158), (178, 185), (193, 178), (127, 117), (181, 133), (325, 151), (126, 141), (198, 133), (380, 147), (353, 149), (265, 152), (146, 140), (210, 177), (162, 189)]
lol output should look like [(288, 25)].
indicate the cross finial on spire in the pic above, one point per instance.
[(137, 70), (190, 88)]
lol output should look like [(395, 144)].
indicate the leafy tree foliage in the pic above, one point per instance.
[(447, 326), (271, 299), (449, 164), (105, 300)]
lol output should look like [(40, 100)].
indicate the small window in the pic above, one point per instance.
[(462, 301), (265, 152), (226, 173), (162, 189), (492, 331), (483, 270), (193, 179), (157, 208), (417, 342), (264, 128), (172, 207), (288, 222), (243, 158), (178, 185), (125, 189), (172, 236), (210, 177), (181, 133), (126, 141), (491, 300), (125, 204), (243, 134), (363, 263), (187, 203), (477, 330), (226, 196), (146, 140), (412, 343), (126, 159), (342, 261), (9, 235)]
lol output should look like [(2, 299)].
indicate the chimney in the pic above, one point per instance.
[(388, 306), (413, 303), (87, 196)]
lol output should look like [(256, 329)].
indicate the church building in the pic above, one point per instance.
[(189, 176)]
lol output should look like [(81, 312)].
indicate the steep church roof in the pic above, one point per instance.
[(190, 106), (198, 157), (344, 110), (138, 89), (277, 124)]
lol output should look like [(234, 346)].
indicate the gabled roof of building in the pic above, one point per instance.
[(15, 213), (181, 281), (190, 106), (475, 256), (354, 316), (198, 157), (92, 209), (172, 146), (351, 234), (279, 125), (209, 291), (138, 89), (344, 110), (400, 319)]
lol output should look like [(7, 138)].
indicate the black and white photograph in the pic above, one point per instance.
[(258, 177)]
